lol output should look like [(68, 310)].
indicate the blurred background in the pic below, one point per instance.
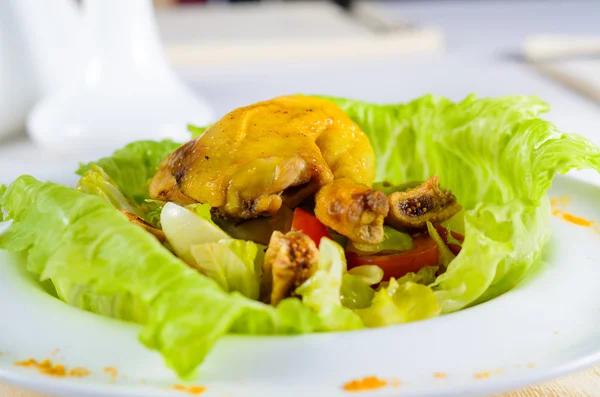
[(76, 75)]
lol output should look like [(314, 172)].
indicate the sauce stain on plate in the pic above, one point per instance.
[(368, 383), (113, 372), (47, 367), (190, 389), (574, 219), (482, 375), (559, 203), (562, 201)]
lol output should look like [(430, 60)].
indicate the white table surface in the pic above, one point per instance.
[(483, 39)]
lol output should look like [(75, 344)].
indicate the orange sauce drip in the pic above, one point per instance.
[(557, 202), (482, 375), (46, 367), (111, 371), (574, 219), (367, 383), (79, 372), (563, 201), (190, 389)]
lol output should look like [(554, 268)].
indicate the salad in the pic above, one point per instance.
[(300, 214)]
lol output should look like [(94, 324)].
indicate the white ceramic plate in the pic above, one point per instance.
[(547, 327)]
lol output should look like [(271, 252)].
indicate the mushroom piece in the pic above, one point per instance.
[(412, 208), (290, 260), (136, 220)]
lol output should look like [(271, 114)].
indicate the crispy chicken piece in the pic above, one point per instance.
[(356, 210), (276, 152), (290, 260), (136, 220), (427, 202)]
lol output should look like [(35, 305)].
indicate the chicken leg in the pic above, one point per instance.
[(259, 157)]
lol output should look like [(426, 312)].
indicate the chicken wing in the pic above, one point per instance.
[(427, 202), (276, 152), (356, 210), (290, 260)]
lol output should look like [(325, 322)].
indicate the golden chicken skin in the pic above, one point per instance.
[(259, 157)]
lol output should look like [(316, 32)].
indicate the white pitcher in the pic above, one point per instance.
[(36, 39), (98, 75)]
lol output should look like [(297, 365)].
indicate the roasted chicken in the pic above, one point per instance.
[(412, 208), (290, 260), (259, 157)]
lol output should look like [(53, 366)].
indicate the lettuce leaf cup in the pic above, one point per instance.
[(195, 283)]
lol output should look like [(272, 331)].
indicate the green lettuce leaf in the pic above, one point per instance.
[(97, 182), (356, 291), (446, 256), (400, 303), (293, 317), (100, 262), (425, 275), (499, 158), (234, 264), (393, 241), (2, 191), (370, 274), (124, 306), (322, 291), (153, 209), (133, 167)]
